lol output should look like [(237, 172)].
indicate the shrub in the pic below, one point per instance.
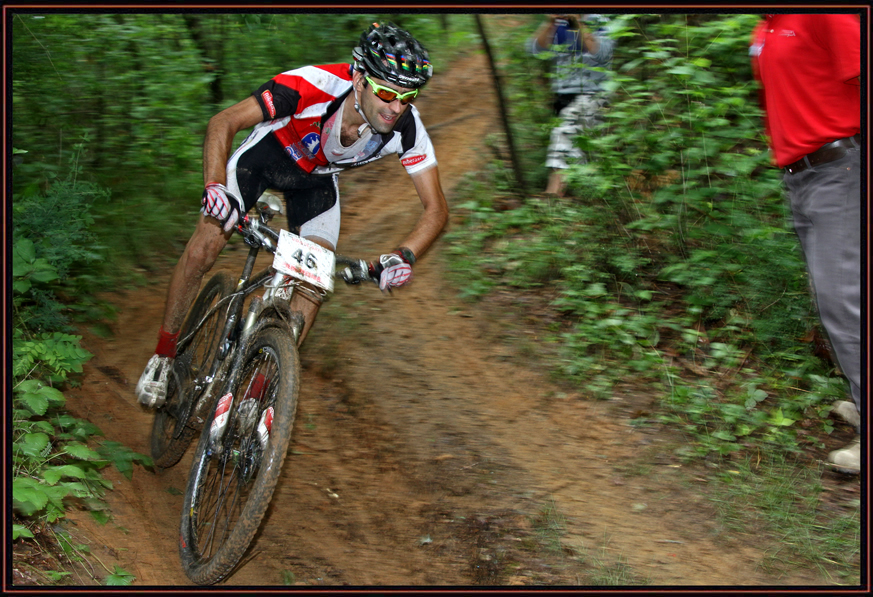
[(674, 246)]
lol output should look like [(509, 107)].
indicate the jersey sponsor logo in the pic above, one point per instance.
[(311, 143), (294, 152), (268, 101), (411, 161)]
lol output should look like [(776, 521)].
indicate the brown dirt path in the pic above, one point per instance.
[(425, 445)]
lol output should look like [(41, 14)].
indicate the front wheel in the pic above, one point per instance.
[(171, 436), (235, 471)]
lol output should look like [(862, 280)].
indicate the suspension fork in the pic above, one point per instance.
[(229, 333)]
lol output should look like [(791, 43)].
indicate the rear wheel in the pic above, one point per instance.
[(171, 435), (233, 476)]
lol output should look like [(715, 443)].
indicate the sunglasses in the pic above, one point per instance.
[(388, 95)]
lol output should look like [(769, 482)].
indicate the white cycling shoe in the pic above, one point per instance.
[(151, 389)]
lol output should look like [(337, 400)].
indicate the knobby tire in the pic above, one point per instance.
[(227, 495), (191, 365)]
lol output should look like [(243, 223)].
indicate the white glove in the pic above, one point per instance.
[(219, 203), (396, 269)]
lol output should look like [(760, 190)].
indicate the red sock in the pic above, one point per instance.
[(167, 344)]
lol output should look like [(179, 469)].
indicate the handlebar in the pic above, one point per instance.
[(358, 270), (256, 233)]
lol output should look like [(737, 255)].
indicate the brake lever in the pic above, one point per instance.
[(357, 272)]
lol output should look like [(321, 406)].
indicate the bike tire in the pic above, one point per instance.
[(191, 364), (229, 489)]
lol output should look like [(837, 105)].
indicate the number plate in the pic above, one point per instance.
[(305, 260)]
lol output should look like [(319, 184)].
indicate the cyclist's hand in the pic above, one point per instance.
[(219, 203), (396, 269)]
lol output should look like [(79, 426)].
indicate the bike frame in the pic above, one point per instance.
[(276, 299), (236, 330)]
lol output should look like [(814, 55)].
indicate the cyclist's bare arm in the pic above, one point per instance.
[(220, 133), (436, 211), (208, 239)]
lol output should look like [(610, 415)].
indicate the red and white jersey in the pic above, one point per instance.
[(297, 103)]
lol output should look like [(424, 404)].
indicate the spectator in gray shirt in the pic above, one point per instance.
[(578, 44)]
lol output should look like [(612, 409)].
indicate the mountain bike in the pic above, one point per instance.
[(235, 380)]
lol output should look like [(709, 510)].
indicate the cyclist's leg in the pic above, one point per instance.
[(197, 259), (200, 253), (316, 210)]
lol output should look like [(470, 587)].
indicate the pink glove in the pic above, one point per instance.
[(219, 203), (396, 268)]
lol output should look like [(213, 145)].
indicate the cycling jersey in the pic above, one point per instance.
[(297, 105)]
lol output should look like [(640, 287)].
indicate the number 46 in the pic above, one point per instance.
[(311, 263)]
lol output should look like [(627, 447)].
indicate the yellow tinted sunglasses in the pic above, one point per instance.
[(388, 95)]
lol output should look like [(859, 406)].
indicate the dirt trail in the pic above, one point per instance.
[(424, 446)]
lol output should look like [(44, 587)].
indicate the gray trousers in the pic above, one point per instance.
[(582, 114), (826, 206)]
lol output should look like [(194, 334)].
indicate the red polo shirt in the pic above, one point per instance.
[(808, 67)]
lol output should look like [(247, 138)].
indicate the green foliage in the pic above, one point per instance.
[(120, 577), (54, 250), (48, 356), (32, 303), (682, 161), (674, 252), (52, 463), (123, 457), (50, 460)]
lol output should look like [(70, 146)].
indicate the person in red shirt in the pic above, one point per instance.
[(309, 124), (809, 68)]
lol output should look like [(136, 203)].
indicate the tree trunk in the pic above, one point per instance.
[(516, 170), (211, 47)]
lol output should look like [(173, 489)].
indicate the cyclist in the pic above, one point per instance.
[(309, 124)]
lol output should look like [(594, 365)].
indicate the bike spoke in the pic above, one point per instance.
[(230, 491), (172, 430), (215, 516), (230, 475)]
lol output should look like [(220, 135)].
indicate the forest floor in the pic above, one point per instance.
[(430, 448)]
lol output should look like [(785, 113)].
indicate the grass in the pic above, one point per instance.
[(783, 499), (550, 526), (616, 573)]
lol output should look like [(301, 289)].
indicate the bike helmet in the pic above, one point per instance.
[(392, 54)]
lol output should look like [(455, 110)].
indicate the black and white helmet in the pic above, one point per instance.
[(392, 54)]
